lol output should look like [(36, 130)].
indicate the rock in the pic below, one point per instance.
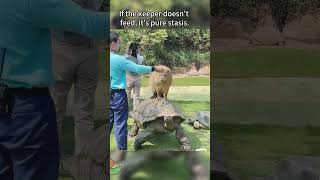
[(193, 71), (205, 70), (304, 29), (180, 70), (267, 36)]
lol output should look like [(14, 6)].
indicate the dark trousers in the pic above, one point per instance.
[(119, 116), (28, 139)]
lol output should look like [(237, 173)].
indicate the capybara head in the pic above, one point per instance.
[(165, 74), (166, 71)]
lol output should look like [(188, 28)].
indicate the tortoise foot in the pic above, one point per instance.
[(184, 141), (185, 144)]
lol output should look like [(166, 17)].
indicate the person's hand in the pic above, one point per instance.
[(159, 68)]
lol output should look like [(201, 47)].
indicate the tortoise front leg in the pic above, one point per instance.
[(134, 131), (142, 137), (185, 143)]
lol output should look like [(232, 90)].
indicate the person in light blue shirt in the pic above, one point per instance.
[(25, 33), (118, 97), (29, 147)]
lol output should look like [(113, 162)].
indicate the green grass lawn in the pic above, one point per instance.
[(199, 138), (255, 149), (266, 62)]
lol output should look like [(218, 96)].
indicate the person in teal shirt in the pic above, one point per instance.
[(29, 147), (118, 97)]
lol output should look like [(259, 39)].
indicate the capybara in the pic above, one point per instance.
[(160, 83)]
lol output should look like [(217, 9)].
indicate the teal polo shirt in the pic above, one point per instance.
[(118, 67), (25, 36)]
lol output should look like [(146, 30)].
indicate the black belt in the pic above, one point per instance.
[(7, 95), (117, 90), (29, 91)]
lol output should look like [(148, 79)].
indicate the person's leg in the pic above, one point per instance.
[(129, 85), (85, 84), (128, 90), (6, 167), (63, 68), (32, 139), (120, 110), (5, 164), (136, 93), (111, 115)]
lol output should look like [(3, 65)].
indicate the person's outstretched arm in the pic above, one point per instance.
[(133, 67), (65, 15)]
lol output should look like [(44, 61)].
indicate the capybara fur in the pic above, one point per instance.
[(160, 83)]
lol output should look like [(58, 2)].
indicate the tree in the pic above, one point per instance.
[(174, 48), (285, 11), (282, 11)]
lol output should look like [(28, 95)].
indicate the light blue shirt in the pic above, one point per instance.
[(118, 67), (25, 34)]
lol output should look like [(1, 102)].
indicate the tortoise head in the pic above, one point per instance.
[(169, 123)]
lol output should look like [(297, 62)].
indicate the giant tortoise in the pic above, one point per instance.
[(155, 117)]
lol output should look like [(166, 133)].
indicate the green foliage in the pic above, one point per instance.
[(174, 48), (282, 11), (285, 11), (146, 5)]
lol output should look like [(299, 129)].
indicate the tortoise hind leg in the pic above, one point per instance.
[(134, 131), (142, 137), (182, 138)]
